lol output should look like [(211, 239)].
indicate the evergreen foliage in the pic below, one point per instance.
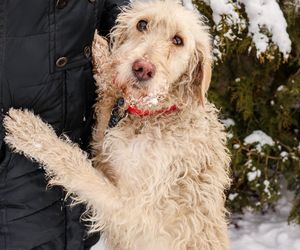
[(259, 92)]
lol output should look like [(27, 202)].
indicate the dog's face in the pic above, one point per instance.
[(161, 50)]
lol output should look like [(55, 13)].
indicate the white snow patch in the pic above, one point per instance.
[(100, 245), (266, 232), (280, 88), (259, 137), (217, 54), (230, 35), (232, 196), (266, 189), (222, 7), (248, 164), (228, 122), (251, 176), (267, 14), (284, 155), (262, 14), (229, 135)]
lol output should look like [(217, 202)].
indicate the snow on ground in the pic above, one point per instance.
[(261, 232), (266, 232), (99, 246)]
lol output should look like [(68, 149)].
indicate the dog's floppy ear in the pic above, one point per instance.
[(201, 64), (100, 57)]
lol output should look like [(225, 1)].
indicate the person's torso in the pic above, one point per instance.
[(45, 66), (45, 59)]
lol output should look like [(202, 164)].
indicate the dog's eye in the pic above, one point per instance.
[(178, 41), (142, 25)]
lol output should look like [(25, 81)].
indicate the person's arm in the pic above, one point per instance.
[(110, 11)]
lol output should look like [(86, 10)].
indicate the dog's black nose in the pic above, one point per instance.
[(143, 70)]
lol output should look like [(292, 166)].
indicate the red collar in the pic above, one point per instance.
[(135, 111)]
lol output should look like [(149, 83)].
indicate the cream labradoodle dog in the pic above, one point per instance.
[(161, 171)]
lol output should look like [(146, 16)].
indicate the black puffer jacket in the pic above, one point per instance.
[(45, 66)]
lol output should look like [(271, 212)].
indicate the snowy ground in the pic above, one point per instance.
[(265, 232), (261, 232)]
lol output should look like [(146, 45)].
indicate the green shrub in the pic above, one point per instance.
[(258, 91)]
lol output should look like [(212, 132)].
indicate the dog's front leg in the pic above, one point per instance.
[(65, 163)]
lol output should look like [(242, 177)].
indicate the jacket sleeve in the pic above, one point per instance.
[(109, 13)]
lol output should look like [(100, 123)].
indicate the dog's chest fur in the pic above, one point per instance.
[(145, 152), (165, 170)]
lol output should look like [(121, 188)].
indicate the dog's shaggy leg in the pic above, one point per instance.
[(65, 163)]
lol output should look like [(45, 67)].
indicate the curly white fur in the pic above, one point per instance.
[(159, 180)]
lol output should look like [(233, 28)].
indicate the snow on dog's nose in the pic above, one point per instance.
[(143, 70)]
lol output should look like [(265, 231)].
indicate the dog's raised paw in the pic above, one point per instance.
[(24, 130)]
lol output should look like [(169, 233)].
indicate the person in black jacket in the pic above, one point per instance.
[(45, 66)]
